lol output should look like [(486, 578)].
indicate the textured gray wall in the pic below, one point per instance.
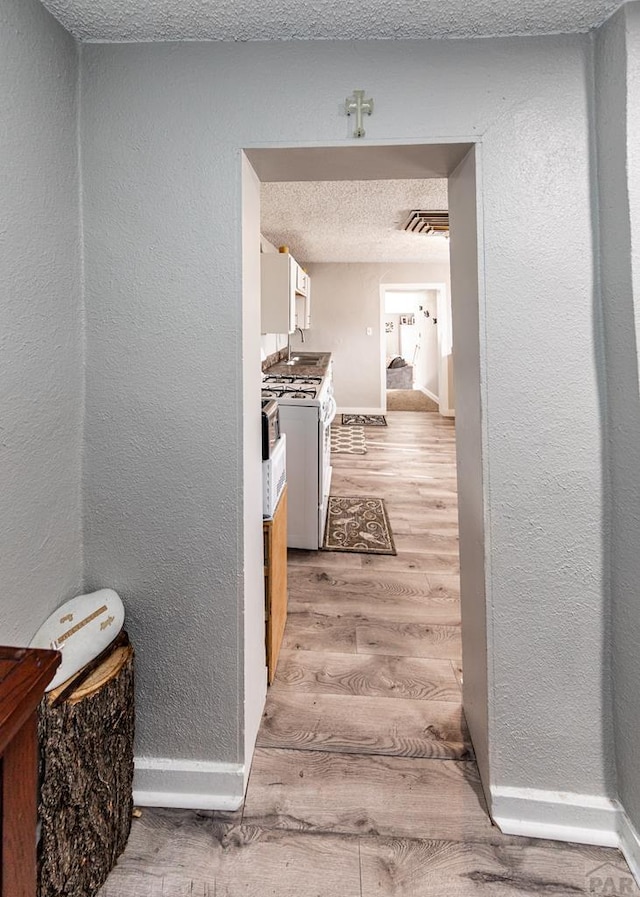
[(547, 578), (162, 130), (618, 136), (41, 311), (162, 473)]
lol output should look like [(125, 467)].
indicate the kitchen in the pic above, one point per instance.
[(347, 279), (297, 383), (298, 409)]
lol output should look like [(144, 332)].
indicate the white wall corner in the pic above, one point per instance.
[(629, 842), (188, 784), (361, 411), (556, 815)]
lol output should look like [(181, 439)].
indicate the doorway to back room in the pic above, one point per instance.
[(416, 347), (301, 170)]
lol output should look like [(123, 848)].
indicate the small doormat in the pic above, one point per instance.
[(358, 524), (364, 420), (348, 441)]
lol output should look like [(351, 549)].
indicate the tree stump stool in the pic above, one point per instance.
[(86, 760)]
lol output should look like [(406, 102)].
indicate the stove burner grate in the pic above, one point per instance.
[(291, 379), (279, 391), (299, 393)]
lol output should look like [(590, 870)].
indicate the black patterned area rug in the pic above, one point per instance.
[(348, 441), (358, 524), (364, 420)]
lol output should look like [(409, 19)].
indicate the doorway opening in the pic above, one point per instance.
[(416, 347), (457, 164)]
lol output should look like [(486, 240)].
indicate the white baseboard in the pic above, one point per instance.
[(444, 412), (429, 394), (361, 411), (556, 815), (629, 843), (188, 784), (559, 816)]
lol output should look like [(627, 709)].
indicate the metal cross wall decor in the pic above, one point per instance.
[(360, 106)]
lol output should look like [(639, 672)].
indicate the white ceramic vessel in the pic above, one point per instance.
[(80, 629)]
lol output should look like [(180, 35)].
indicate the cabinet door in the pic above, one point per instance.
[(291, 293), (303, 312), (302, 280), (276, 584), (277, 299)]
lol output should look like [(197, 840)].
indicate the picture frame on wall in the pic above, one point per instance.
[(408, 319)]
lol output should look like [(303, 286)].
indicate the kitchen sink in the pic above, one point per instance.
[(307, 358)]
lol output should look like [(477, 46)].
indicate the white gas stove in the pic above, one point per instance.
[(306, 408), (293, 389)]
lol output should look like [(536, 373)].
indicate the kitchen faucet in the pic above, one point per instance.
[(289, 344)]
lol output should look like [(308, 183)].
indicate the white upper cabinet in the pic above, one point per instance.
[(285, 296)]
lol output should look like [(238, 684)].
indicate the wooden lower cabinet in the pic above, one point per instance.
[(24, 675), (275, 582)]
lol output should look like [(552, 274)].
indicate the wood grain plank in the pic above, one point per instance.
[(425, 453), (416, 475), (394, 796), (429, 542), (339, 559), (427, 525), (317, 632), (386, 595), (391, 489), (416, 521), (186, 857), (366, 610), (357, 724), (436, 510), (405, 868), (411, 560), (420, 521), (409, 640), (394, 583), (398, 678), (406, 443), (378, 466)]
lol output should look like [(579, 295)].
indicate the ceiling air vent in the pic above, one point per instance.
[(428, 222)]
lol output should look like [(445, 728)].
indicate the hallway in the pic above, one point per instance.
[(371, 659), (363, 782)]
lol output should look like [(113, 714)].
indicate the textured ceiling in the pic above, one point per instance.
[(148, 20), (352, 221)]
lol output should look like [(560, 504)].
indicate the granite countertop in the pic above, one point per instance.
[(300, 369)]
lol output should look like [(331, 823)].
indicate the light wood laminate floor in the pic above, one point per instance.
[(364, 782)]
